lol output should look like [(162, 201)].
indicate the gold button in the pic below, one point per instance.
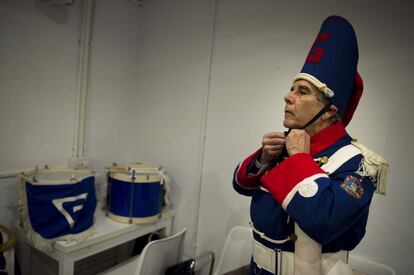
[(293, 237), (324, 160)]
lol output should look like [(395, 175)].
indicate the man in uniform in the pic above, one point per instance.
[(312, 186)]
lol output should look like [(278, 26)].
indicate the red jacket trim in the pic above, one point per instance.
[(326, 137), (282, 179), (244, 179)]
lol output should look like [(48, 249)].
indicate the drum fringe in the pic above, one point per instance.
[(166, 181)]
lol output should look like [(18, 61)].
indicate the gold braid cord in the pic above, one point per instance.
[(11, 239)]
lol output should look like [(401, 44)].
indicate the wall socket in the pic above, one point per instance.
[(78, 162)]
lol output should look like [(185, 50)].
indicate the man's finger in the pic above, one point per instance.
[(274, 135), (273, 141)]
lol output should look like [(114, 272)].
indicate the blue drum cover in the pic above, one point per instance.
[(50, 222), (146, 198)]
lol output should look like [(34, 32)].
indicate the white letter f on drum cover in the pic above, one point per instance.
[(58, 203)]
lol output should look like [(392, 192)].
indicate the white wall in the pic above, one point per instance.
[(148, 82), (38, 83), (147, 93), (38, 70)]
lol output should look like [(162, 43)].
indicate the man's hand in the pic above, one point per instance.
[(298, 141), (272, 146)]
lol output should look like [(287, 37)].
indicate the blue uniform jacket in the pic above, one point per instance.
[(328, 202)]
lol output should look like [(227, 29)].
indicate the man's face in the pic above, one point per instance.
[(301, 105)]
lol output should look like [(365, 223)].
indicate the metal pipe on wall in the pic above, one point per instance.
[(8, 174), (78, 149)]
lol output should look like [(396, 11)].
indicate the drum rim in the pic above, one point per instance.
[(139, 178), (141, 167), (143, 172), (81, 174), (136, 220), (11, 239)]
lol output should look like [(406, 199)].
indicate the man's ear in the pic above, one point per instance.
[(332, 111)]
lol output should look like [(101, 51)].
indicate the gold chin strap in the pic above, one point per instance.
[(284, 152)]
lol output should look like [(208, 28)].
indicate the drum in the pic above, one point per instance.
[(57, 204), (135, 192)]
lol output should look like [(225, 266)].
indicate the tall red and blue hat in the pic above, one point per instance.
[(331, 66)]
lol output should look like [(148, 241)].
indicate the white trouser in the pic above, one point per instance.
[(283, 262)]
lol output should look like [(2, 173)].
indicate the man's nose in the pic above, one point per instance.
[(288, 98)]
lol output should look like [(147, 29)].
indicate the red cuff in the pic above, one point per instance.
[(284, 177), (242, 177)]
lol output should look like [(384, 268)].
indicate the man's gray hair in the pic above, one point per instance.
[(324, 99)]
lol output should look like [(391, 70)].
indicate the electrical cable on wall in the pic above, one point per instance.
[(204, 122)]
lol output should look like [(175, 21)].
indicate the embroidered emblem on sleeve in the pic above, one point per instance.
[(308, 189), (353, 186)]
